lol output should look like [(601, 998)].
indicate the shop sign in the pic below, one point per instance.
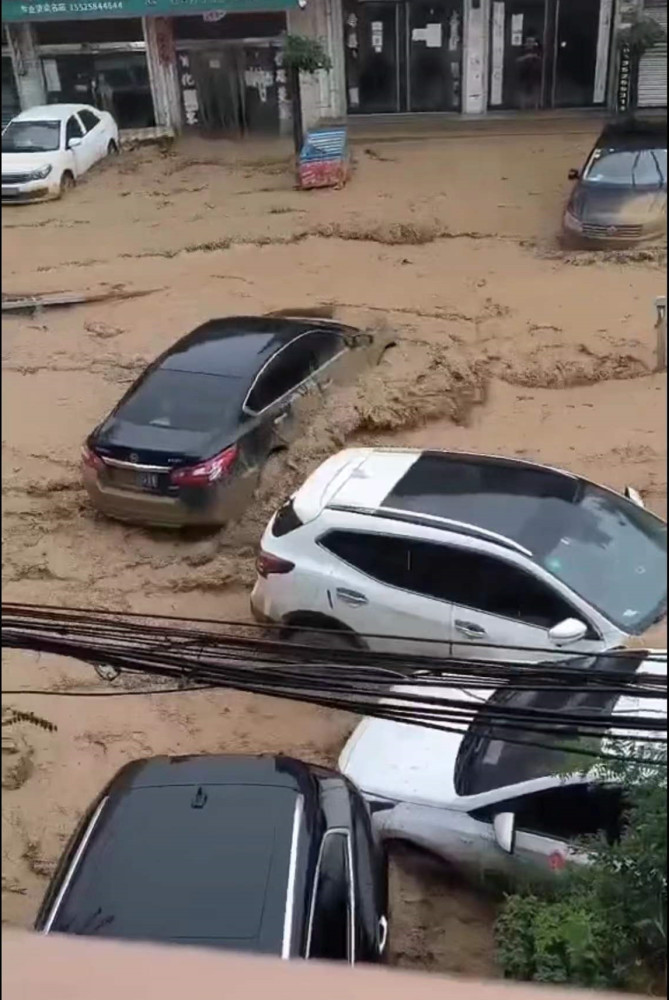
[(70, 10)]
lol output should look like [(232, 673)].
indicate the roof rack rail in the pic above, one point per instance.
[(432, 521)]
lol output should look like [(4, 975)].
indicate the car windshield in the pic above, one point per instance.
[(183, 401), (609, 551), (489, 758), (628, 168), (31, 137)]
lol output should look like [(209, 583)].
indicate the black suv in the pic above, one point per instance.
[(263, 854)]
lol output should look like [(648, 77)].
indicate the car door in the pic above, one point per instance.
[(550, 825), (501, 611), (380, 585), (95, 138), (370, 885), (74, 131)]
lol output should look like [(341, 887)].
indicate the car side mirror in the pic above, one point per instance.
[(574, 174), (74, 142), (504, 826), (568, 631)]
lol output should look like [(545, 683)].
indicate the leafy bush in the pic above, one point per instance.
[(306, 55), (601, 924)]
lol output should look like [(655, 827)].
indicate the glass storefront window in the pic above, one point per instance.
[(114, 82)]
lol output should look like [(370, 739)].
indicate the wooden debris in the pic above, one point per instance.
[(48, 300)]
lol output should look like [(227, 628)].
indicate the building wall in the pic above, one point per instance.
[(27, 65), (323, 93), (475, 54)]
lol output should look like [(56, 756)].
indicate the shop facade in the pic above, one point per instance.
[(652, 90), (216, 65), (213, 65)]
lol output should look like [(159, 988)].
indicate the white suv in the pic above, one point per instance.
[(461, 555)]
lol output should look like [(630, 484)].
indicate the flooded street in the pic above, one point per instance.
[(504, 344)]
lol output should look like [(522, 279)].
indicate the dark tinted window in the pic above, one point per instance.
[(605, 548), (291, 366), (73, 130), (323, 345), (491, 757), (330, 927), (286, 520), (569, 812), (183, 401), (489, 584), (89, 119), (31, 137), (466, 578)]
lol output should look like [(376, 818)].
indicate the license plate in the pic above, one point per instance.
[(6, 189), (147, 480)]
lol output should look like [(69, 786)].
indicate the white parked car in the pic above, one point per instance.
[(487, 805), (462, 555), (46, 149)]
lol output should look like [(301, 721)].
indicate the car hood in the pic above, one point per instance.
[(616, 206), (406, 763), (23, 163)]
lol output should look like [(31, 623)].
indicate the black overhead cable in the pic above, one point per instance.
[(354, 680)]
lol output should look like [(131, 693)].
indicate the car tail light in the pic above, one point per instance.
[(267, 564), (205, 472), (90, 459)]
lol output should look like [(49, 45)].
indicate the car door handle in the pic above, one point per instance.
[(352, 597), (469, 628)]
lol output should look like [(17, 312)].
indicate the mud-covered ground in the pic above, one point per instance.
[(505, 344)]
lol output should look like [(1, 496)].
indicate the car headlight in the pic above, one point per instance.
[(39, 175), (571, 222)]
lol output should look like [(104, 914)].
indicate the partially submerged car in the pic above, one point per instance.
[(455, 554), (46, 149), (620, 194), (261, 854), (483, 799), (186, 444)]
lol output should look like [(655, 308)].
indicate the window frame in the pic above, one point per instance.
[(258, 413), (593, 632), (338, 831), (73, 117), (487, 813), (82, 121)]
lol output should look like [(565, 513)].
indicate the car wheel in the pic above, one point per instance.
[(112, 148), (66, 183), (332, 639)]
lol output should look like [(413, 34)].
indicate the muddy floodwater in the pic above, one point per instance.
[(504, 344)]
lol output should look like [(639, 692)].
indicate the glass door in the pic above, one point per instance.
[(577, 27), (434, 55), (371, 46), (518, 46)]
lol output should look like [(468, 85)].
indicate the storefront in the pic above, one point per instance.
[(10, 95), (218, 69), (403, 55), (652, 87), (549, 53)]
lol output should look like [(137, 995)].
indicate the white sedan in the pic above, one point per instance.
[(46, 149), (491, 806)]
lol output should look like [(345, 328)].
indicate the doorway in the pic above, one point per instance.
[(549, 53), (403, 55)]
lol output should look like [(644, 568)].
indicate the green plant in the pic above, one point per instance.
[(302, 55), (604, 923)]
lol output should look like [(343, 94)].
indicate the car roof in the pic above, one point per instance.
[(237, 346), (642, 135), (52, 112), (194, 849)]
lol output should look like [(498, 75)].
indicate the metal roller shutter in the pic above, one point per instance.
[(653, 68)]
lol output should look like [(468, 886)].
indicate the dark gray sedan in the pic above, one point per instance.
[(620, 197)]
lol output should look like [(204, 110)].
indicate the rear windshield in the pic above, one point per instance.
[(628, 168), (31, 137), (184, 401), (178, 863)]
